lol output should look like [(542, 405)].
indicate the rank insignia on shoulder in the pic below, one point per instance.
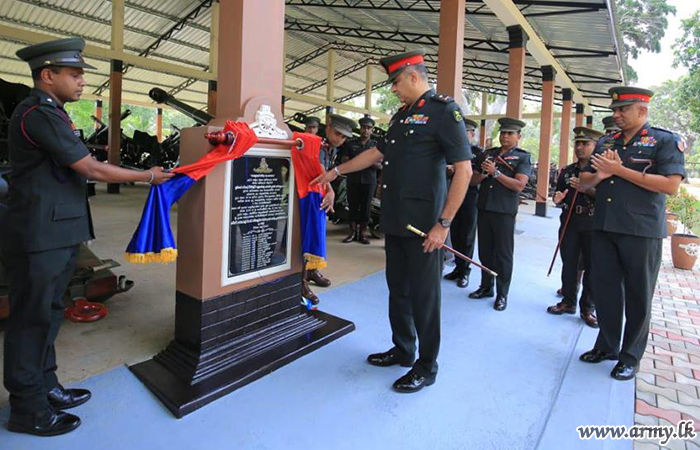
[(457, 114), (443, 98), (680, 143)]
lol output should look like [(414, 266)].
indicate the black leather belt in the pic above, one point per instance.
[(584, 210)]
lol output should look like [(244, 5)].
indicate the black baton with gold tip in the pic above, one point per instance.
[(413, 229)]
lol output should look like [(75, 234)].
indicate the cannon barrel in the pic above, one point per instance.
[(160, 96)]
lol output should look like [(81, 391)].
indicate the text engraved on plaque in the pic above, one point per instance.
[(259, 213)]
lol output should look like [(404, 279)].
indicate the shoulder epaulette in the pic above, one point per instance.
[(443, 98), (662, 129)]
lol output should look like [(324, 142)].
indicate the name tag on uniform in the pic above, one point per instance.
[(416, 119)]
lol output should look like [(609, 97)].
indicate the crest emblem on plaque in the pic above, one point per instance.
[(263, 167)]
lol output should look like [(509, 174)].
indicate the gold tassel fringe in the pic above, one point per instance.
[(165, 256), (314, 262)]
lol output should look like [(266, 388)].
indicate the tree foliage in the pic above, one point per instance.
[(687, 51), (642, 24)]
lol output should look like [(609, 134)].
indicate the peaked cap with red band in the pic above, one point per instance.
[(396, 63), (626, 95)]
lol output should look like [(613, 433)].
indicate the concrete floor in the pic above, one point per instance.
[(140, 322)]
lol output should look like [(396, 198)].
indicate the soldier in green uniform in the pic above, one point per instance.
[(633, 171), (576, 240), (463, 228), (362, 184), (46, 220), (504, 173), (424, 135)]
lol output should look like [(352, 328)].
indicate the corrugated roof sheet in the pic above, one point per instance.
[(573, 30)]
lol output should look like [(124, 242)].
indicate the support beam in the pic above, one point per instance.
[(516, 71), (290, 95), (117, 28), (159, 124), (451, 49), (107, 54), (214, 39), (565, 134), (98, 112), (546, 124), (579, 114), (510, 14), (482, 127), (115, 113), (330, 82), (368, 88)]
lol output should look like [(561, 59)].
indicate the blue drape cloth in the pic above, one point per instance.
[(153, 240)]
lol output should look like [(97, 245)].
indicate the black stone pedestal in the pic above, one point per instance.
[(224, 343), (541, 209)]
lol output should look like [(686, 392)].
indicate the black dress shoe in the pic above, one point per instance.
[(387, 359), (623, 372), (61, 398), (501, 303), (412, 382), (481, 293), (45, 423), (463, 281), (454, 275), (595, 356), (561, 308)]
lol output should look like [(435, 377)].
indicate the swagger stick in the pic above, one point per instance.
[(563, 230), (413, 229)]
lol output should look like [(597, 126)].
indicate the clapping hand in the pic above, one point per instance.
[(559, 196)]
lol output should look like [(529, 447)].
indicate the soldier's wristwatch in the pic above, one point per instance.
[(496, 174), (445, 223)]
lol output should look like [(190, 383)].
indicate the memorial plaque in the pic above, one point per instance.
[(260, 186)]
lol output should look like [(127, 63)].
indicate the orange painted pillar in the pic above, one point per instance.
[(211, 98), (579, 115), (565, 133), (159, 124), (546, 123), (482, 134), (115, 123), (516, 71), (451, 49), (98, 112)]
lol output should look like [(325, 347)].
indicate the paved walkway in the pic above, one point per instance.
[(668, 384)]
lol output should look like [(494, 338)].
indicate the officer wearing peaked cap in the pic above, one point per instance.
[(576, 237), (610, 125), (311, 125), (504, 173), (632, 171), (46, 220), (362, 184), (338, 129), (425, 135), (463, 228)]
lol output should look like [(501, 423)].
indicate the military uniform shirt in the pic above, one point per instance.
[(494, 196), (353, 148), (622, 206), (582, 200), (47, 204), (421, 140), (477, 151)]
